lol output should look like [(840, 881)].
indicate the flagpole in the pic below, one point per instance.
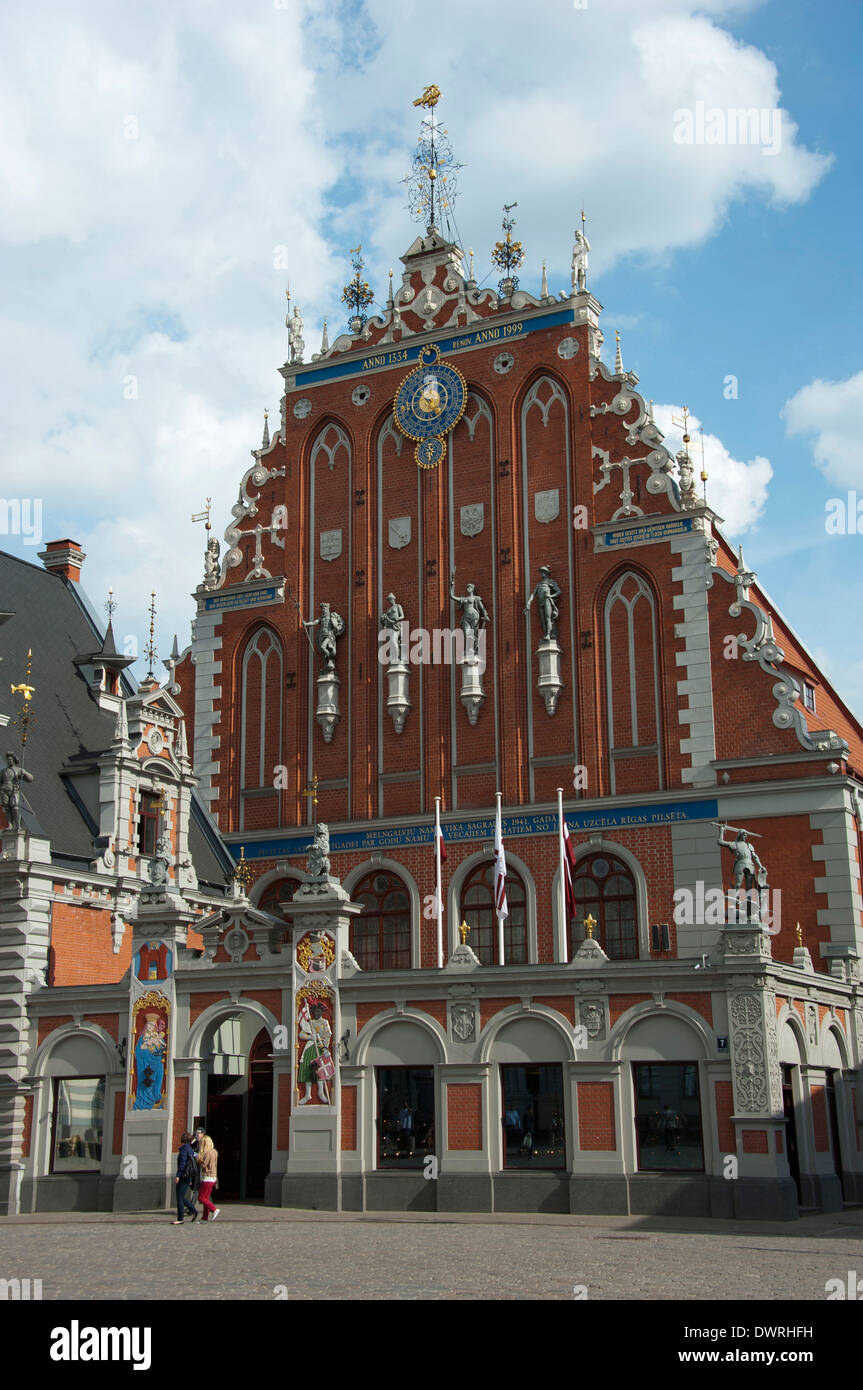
[(562, 934), (499, 841), (438, 884)]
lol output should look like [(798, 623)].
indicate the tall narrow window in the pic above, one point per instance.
[(148, 824), (632, 686), (261, 729), (476, 907)]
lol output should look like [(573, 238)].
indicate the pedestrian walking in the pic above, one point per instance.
[(207, 1159), (187, 1167)]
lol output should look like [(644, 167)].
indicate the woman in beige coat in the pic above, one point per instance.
[(207, 1158)]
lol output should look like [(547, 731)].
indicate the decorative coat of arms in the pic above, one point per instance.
[(546, 505), (472, 519), (463, 1021), (400, 532), (331, 545)]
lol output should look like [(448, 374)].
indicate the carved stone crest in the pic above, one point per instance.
[(472, 519), (591, 1014), (400, 532), (331, 545), (463, 1022), (546, 505)]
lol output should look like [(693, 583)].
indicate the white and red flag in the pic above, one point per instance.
[(500, 904)]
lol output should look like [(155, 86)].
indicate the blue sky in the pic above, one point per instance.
[(161, 162)]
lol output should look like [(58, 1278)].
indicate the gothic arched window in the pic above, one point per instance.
[(476, 907), (261, 727), (632, 686), (282, 891), (380, 935), (605, 890)]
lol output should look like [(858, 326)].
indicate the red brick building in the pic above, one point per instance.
[(670, 696), (637, 1050)]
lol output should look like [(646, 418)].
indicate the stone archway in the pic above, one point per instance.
[(237, 1102)]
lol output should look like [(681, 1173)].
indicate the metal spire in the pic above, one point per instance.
[(508, 255), (356, 293), (432, 182), (150, 649)]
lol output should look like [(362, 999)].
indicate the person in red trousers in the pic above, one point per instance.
[(207, 1159)]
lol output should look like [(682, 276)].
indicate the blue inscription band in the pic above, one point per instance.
[(403, 836)]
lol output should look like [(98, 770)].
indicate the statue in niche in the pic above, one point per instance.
[(211, 563), (474, 614), (319, 852), (330, 626), (392, 620), (11, 778), (546, 593)]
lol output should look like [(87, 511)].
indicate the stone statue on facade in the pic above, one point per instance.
[(688, 493), (319, 853), (546, 593), (748, 871), (330, 626), (11, 778), (295, 335), (474, 614), (392, 620), (580, 253), (211, 563)]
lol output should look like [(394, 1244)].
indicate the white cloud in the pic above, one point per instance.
[(155, 257), (737, 490), (831, 411)]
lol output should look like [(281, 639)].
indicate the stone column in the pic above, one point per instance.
[(764, 1188), (319, 918), (161, 918), (25, 915)]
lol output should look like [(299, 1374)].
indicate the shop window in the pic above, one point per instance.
[(406, 1116), (77, 1124), (476, 907), (148, 824), (533, 1115), (605, 890), (380, 937), (668, 1116)]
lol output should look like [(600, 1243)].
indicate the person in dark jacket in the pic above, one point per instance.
[(187, 1167)]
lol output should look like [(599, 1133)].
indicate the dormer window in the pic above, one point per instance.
[(148, 824)]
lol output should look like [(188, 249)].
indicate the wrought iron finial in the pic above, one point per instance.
[(24, 719), (432, 183), (111, 605), (150, 649), (356, 293), (508, 255), (243, 873), (204, 515)]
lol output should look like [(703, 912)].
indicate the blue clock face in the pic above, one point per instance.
[(431, 400)]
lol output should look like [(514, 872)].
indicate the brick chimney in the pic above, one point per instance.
[(64, 558)]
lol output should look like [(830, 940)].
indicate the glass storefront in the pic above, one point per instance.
[(406, 1116), (78, 1120), (668, 1116), (533, 1115)]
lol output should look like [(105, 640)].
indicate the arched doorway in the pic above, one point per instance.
[(239, 1106)]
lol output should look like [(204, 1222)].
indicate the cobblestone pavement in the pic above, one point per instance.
[(264, 1253)]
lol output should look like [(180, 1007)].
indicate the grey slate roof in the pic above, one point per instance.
[(53, 618)]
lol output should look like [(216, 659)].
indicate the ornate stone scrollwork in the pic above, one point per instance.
[(763, 648)]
